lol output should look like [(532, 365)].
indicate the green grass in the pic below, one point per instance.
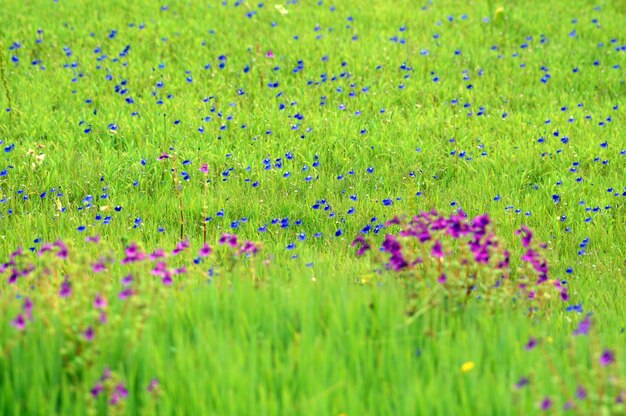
[(332, 338)]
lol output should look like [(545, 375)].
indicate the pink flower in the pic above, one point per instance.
[(164, 156), (204, 168), (269, 54)]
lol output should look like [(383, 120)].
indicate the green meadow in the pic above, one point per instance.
[(130, 127)]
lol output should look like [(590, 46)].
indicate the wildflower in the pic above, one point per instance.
[(126, 293), (19, 322), (437, 250), (545, 404), (95, 239), (250, 247), (230, 239), (532, 343), (100, 302), (154, 383), (96, 390), (467, 366), (132, 254), (584, 326), (89, 334), (205, 250), (204, 168), (522, 382), (442, 278), (363, 245), (66, 289), (180, 247), (269, 54), (581, 393), (607, 358), (62, 253), (28, 308), (163, 156), (127, 280)]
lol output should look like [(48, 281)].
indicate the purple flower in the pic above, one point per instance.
[(581, 393), (522, 382), (167, 278), (14, 276), (205, 250), (442, 279), (132, 254), (62, 253), (437, 250), (230, 239), (45, 248), (163, 156), (19, 322), (363, 245), (532, 343), (180, 247), (126, 293), (584, 326), (66, 289), (88, 334), (250, 247), (121, 390), (95, 239), (527, 237), (607, 358), (157, 254), (96, 390), (98, 267), (204, 168), (127, 280), (546, 404), (154, 383), (28, 308), (100, 302)]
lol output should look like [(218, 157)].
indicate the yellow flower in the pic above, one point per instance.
[(467, 366)]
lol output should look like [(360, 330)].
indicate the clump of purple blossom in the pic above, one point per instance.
[(465, 257)]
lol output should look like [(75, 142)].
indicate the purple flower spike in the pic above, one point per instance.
[(607, 358)]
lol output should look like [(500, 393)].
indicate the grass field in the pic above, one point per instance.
[(130, 127)]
